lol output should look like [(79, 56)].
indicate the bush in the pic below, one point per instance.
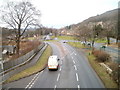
[(101, 56), (114, 67)]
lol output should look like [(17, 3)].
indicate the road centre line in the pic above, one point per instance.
[(73, 61), (72, 57), (58, 76), (60, 68), (55, 87), (77, 77), (75, 67), (78, 87)]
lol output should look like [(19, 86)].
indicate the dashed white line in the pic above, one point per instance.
[(75, 54), (78, 87), (75, 67), (58, 76), (60, 69), (73, 61), (55, 87), (72, 57), (77, 77)]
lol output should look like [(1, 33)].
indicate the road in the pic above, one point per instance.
[(74, 72)]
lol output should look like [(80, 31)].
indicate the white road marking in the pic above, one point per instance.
[(75, 67), (75, 54), (72, 53), (78, 87), (58, 76), (60, 68), (73, 61), (32, 81), (72, 57), (55, 87), (77, 77)]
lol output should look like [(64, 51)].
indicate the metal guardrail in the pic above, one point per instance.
[(20, 67)]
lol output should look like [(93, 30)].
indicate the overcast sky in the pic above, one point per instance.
[(59, 13)]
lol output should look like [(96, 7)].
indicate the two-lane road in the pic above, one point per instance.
[(74, 71)]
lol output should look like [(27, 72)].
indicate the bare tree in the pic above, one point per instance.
[(20, 16), (108, 27)]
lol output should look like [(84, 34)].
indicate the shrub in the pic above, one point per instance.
[(101, 56), (114, 67)]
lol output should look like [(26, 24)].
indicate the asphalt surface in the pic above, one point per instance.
[(74, 72)]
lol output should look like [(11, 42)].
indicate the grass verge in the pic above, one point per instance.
[(40, 65), (101, 41), (76, 44), (107, 80), (64, 37)]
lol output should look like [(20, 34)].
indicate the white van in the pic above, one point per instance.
[(53, 62)]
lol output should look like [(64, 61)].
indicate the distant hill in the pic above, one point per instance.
[(107, 16)]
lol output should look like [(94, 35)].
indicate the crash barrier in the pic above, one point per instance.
[(18, 68)]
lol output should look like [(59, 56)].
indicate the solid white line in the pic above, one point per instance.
[(58, 76), (73, 61), (77, 77), (75, 67)]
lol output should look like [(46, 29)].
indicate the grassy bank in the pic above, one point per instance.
[(41, 63), (76, 44), (64, 37), (107, 80)]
